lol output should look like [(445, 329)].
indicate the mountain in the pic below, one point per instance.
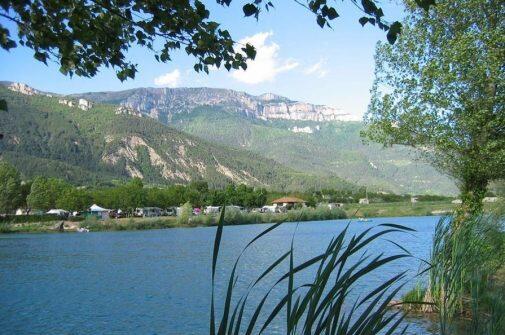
[(309, 138), (86, 142), (164, 104)]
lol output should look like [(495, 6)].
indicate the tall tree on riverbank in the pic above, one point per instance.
[(45, 192), (441, 88), (10, 188)]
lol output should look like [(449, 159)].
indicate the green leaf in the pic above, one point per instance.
[(363, 20), (40, 56), (393, 32), (332, 13), (250, 51), (321, 21), (215, 254), (425, 4), (369, 6), (250, 9)]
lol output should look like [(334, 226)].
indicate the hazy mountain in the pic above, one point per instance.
[(305, 137)]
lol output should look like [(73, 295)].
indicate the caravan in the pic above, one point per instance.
[(147, 212)]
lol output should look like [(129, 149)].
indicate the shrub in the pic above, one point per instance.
[(34, 218), (203, 220), (185, 214)]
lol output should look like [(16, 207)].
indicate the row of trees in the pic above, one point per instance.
[(46, 193)]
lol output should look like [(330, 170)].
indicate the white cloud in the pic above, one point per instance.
[(318, 69), (169, 79), (267, 64)]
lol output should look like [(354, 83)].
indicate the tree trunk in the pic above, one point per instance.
[(473, 190)]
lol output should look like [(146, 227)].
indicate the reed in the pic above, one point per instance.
[(321, 306), (465, 258)]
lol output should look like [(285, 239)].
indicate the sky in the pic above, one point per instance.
[(295, 58)]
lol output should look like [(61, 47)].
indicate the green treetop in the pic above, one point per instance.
[(441, 89), (10, 188), (82, 36), (45, 192)]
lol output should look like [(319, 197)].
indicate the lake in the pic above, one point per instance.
[(158, 281)]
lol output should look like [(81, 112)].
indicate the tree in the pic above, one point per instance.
[(45, 191), (440, 89), (74, 199), (82, 36), (185, 213), (10, 188), (132, 194)]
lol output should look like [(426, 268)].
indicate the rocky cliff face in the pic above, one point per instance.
[(24, 89), (164, 103), (28, 90)]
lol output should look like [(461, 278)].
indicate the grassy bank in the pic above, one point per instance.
[(233, 217), (399, 209), (396, 209), (29, 227)]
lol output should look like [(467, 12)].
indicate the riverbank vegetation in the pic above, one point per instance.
[(466, 276), (396, 209), (323, 305), (185, 219), (42, 194), (46, 193), (232, 217)]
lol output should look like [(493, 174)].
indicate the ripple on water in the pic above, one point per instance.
[(158, 282)]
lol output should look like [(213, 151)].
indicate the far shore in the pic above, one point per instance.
[(352, 211)]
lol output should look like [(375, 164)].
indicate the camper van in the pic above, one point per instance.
[(147, 212), (212, 210)]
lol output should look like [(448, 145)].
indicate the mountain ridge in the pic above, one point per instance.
[(163, 103), (302, 143), (44, 136), (318, 148)]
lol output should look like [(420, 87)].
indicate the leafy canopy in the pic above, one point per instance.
[(82, 36), (10, 188), (440, 88), (45, 192)]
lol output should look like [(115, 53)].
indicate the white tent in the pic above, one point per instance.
[(97, 209), (59, 212)]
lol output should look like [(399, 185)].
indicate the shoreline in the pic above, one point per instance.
[(349, 211)]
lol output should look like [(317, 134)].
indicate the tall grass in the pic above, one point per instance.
[(464, 259), (322, 305), (414, 300), (236, 217), (128, 224)]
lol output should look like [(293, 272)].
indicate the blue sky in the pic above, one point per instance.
[(296, 59)]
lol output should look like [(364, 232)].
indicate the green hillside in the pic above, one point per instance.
[(44, 137), (333, 148), (264, 125)]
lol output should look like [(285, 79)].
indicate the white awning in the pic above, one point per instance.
[(96, 208), (57, 211)]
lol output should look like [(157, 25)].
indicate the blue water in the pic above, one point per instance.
[(158, 281)]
